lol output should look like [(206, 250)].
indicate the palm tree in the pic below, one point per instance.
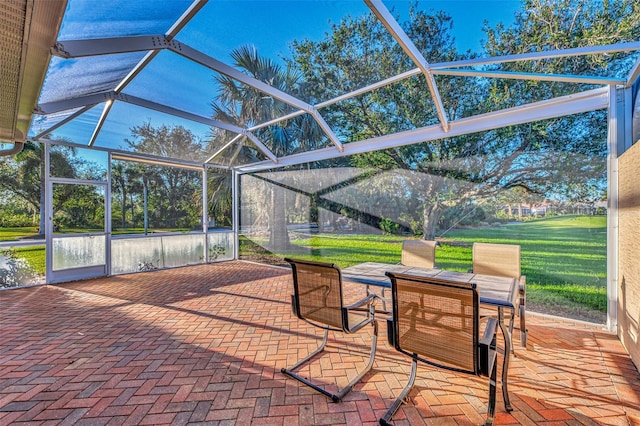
[(245, 107)]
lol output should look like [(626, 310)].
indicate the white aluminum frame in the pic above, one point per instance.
[(382, 13), (205, 212), (70, 274), (566, 105), (612, 210), (78, 48), (235, 190)]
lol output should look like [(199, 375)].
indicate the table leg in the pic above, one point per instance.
[(505, 363), (384, 300)]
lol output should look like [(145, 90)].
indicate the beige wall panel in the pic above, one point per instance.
[(629, 252)]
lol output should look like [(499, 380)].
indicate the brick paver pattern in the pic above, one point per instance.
[(205, 344)]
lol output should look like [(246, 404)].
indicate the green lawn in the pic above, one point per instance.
[(34, 256), (564, 258), (13, 234)]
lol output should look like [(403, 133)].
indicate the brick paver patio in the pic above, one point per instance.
[(205, 345)]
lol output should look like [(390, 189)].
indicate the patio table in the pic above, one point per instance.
[(493, 291)]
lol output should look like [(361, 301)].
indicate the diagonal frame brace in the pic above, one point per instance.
[(382, 13), (222, 68), (258, 143), (557, 107)]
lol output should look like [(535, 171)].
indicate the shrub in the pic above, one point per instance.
[(414, 225), (388, 226), (462, 215), (216, 251), (14, 271), (9, 220)]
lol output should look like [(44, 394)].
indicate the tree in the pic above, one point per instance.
[(24, 176), (220, 198), (515, 197), (475, 166), (120, 186), (245, 107), (349, 59), (171, 189), (78, 207), (577, 142)]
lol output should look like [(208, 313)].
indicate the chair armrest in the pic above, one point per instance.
[(522, 292), (487, 347), (363, 305), (365, 301)]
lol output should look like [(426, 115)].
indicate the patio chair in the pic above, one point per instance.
[(503, 260), (318, 300), (437, 322), (420, 253)]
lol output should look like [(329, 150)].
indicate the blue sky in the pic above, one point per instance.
[(222, 25), (256, 19), (468, 17)]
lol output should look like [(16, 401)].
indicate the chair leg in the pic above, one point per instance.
[(523, 326), (384, 301), (491, 409), (403, 395), (505, 363), (512, 320), (334, 397), (312, 354), (289, 372), (372, 356)]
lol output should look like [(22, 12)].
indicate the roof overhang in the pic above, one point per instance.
[(29, 29)]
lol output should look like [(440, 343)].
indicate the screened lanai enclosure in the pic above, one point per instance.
[(146, 135)]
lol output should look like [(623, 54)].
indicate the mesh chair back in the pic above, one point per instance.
[(419, 253), (496, 259), (436, 321), (318, 292)]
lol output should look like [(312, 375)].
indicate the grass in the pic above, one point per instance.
[(125, 231), (14, 234), (35, 257), (564, 257)]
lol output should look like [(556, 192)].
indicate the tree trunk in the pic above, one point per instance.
[(145, 203), (42, 212), (133, 209), (41, 229), (313, 209), (123, 209), (431, 215), (279, 236)]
